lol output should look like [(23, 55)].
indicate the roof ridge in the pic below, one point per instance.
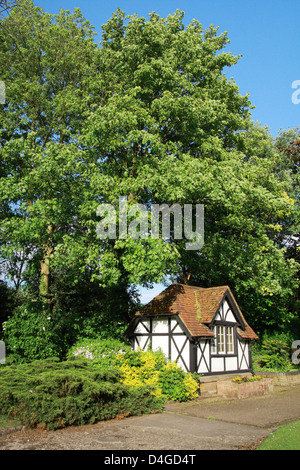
[(201, 288)]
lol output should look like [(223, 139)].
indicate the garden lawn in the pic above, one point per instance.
[(287, 437)]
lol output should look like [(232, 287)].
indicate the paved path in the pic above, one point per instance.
[(204, 424)]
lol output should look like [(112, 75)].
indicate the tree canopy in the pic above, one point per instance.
[(149, 114)]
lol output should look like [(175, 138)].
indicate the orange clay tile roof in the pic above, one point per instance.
[(196, 307)]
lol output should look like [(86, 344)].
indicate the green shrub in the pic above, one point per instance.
[(176, 384), (34, 333), (72, 392), (273, 352), (31, 333), (276, 346)]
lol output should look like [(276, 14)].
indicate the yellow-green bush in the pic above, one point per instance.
[(192, 386), (140, 369), (151, 368)]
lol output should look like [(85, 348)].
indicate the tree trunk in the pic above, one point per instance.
[(45, 266)]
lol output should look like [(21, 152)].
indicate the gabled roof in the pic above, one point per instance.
[(196, 307)]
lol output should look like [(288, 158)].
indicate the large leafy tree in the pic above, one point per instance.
[(150, 115), (54, 80), (167, 106), (288, 143), (46, 63), (6, 5), (174, 129), (247, 222)]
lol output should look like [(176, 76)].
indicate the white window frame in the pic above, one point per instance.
[(223, 343)]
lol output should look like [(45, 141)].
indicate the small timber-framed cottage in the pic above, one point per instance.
[(202, 329)]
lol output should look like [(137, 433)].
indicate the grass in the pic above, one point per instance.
[(286, 437)]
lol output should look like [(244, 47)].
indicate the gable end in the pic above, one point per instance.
[(222, 315)]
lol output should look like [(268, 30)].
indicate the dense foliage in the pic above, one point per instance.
[(274, 352), (88, 387), (34, 332), (148, 114), (75, 392), (141, 368)]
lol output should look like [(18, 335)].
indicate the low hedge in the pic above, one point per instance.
[(73, 392)]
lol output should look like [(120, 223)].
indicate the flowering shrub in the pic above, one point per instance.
[(102, 351), (240, 380)]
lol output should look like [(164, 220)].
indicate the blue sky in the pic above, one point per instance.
[(265, 32)]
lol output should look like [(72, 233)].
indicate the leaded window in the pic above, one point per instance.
[(223, 343)]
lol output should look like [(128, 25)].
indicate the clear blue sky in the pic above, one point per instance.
[(265, 32)]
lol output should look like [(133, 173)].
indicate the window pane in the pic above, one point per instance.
[(221, 339), (229, 339)]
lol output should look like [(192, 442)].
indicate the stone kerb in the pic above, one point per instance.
[(281, 378)]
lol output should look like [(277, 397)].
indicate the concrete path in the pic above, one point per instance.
[(204, 424)]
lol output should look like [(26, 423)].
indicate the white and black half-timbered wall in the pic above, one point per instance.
[(226, 352)]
